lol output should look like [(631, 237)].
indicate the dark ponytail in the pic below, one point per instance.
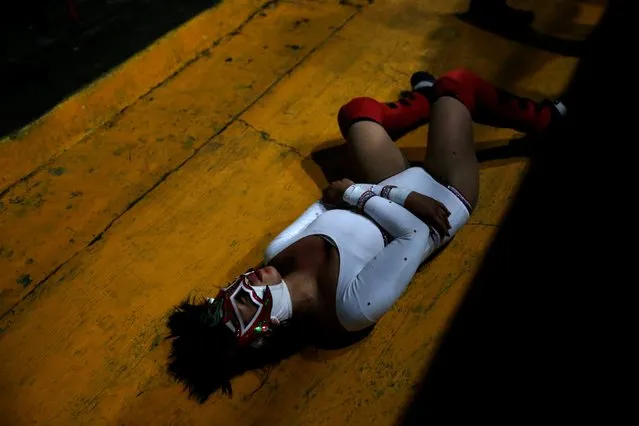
[(205, 357)]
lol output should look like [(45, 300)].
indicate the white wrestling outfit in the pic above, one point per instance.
[(373, 274)]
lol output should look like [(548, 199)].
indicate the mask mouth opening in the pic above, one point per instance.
[(243, 298), (245, 310), (245, 294)]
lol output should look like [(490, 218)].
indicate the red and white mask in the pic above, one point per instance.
[(225, 308)]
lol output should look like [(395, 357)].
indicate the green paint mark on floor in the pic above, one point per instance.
[(24, 280), (57, 171)]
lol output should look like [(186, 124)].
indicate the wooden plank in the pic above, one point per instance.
[(53, 214), (88, 109), (101, 313), (369, 383), (105, 347)]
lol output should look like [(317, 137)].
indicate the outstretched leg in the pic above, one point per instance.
[(462, 97), (450, 153), (374, 155), (370, 126), (495, 107)]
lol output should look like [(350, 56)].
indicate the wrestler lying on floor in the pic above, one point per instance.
[(349, 257)]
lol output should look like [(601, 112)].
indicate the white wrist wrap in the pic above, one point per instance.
[(355, 191), (399, 195)]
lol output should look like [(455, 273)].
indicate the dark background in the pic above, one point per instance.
[(539, 335), (51, 48)]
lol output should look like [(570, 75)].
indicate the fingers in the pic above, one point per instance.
[(443, 223), (341, 184), (326, 196), (447, 225), (439, 228), (440, 223), (444, 227), (443, 207)]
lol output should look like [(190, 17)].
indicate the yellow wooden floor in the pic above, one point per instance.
[(169, 175)]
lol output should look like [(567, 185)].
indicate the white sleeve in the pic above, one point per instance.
[(285, 238), (390, 192), (383, 280)]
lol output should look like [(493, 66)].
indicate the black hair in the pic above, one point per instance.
[(205, 356)]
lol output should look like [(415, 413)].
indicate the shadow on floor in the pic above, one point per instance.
[(54, 51), (333, 160), (528, 36), (529, 338)]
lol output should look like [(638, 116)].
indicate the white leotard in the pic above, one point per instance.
[(372, 275)]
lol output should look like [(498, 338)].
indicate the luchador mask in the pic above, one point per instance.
[(224, 308)]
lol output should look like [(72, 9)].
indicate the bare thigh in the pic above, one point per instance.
[(375, 155), (450, 154)]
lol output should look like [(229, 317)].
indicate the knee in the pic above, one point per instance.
[(460, 84), (358, 109)]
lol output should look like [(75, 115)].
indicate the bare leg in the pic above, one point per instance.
[(370, 126), (375, 155), (450, 154), (493, 106), (464, 97)]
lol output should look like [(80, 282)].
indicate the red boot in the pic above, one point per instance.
[(397, 117), (496, 107)]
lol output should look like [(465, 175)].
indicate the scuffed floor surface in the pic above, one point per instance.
[(169, 175)]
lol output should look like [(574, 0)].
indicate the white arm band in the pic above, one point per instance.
[(393, 193)]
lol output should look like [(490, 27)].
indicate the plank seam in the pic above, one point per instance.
[(110, 120), (268, 138), (480, 223), (37, 286)]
